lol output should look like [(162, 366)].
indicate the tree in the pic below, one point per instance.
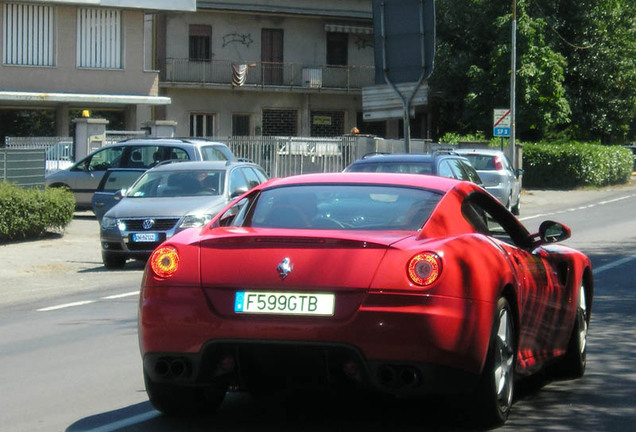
[(598, 40), (576, 71)]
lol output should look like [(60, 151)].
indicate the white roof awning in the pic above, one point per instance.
[(174, 5), (33, 98), (348, 28)]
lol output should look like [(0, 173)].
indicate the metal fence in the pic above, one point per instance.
[(285, 156), (24, 167), (261, 74), (279, 156)]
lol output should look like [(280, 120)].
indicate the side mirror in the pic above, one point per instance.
[(238, 191), (519, 172), (552, 232), (117, 196)]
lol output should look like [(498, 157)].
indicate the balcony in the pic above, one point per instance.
[(268, 76)]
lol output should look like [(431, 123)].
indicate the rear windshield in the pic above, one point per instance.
[(393, 167), (344, 207), (481, 162)]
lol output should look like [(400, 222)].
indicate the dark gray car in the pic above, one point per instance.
[(170, 198), (442, 164), (83, 177)]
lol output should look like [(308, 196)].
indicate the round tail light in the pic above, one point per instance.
[(424, 268), (164, 261)]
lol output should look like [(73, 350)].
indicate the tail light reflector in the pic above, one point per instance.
[(164, 261), (498, 164), (424, 268)]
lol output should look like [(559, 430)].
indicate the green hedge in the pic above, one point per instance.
[(29, 213), (573, 164)]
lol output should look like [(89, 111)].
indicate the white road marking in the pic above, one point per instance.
[(85, 302), (118, 296), (67, 305), (573, 209), (614, 264)]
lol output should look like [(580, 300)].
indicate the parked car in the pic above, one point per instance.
[(498, 175), (403, 284), (83, 177), (167, 199), (443, 164), (112, 188)]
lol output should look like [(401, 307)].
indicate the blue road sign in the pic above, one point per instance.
[(501, 132)]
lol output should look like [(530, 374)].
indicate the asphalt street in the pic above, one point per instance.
[(31, 270)]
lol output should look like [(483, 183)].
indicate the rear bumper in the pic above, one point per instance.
[(419, 345)]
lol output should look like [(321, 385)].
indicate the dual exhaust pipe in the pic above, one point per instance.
[(396, 377)]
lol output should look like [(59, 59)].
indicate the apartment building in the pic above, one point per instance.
[(268, 67), (61, 57)]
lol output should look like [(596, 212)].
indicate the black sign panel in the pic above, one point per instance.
[(404, 37)]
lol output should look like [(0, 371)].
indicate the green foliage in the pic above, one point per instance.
[(573, 164), (29, 213), (576, 67)]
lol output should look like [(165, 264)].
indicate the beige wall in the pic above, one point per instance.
[(65, 76), (225, 103), (236, 37), (304, 39)]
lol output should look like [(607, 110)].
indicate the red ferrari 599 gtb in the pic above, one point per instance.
[(403, 284)]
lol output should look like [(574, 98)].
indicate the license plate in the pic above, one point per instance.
[(288, 303), (145, 237)]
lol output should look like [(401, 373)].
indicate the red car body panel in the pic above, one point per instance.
[(379, 311)]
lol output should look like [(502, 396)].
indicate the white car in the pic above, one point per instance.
[(83, 177), (498, 176)]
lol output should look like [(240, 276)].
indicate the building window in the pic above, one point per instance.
[(201, 125), (272, 56), (280, 122), (337, 49), (199, 42), (28, 35), (99, 38), (241, 125)]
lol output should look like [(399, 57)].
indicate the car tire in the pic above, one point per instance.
[(515, 208), (113, 261), (178, 400), (572, 364), (492, 400)]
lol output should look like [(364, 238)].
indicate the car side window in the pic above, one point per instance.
[(445, 170), (469, 172), (238, 182), (253, 179), (489, 217), (118, 180), (177, 153), (212, 153), (107, 157)]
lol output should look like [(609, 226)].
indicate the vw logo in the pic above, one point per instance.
[(147, 224), (284, 268)]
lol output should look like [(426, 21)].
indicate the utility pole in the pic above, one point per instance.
[(513, 75)]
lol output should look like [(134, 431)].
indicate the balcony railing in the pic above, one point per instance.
[(263, 74)]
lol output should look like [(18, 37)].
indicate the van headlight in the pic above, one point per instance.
[(108, 223)]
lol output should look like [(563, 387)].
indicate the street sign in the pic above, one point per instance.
[(501, 122)]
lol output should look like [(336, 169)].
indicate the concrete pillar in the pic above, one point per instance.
[(90, 134), (161, 128)]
